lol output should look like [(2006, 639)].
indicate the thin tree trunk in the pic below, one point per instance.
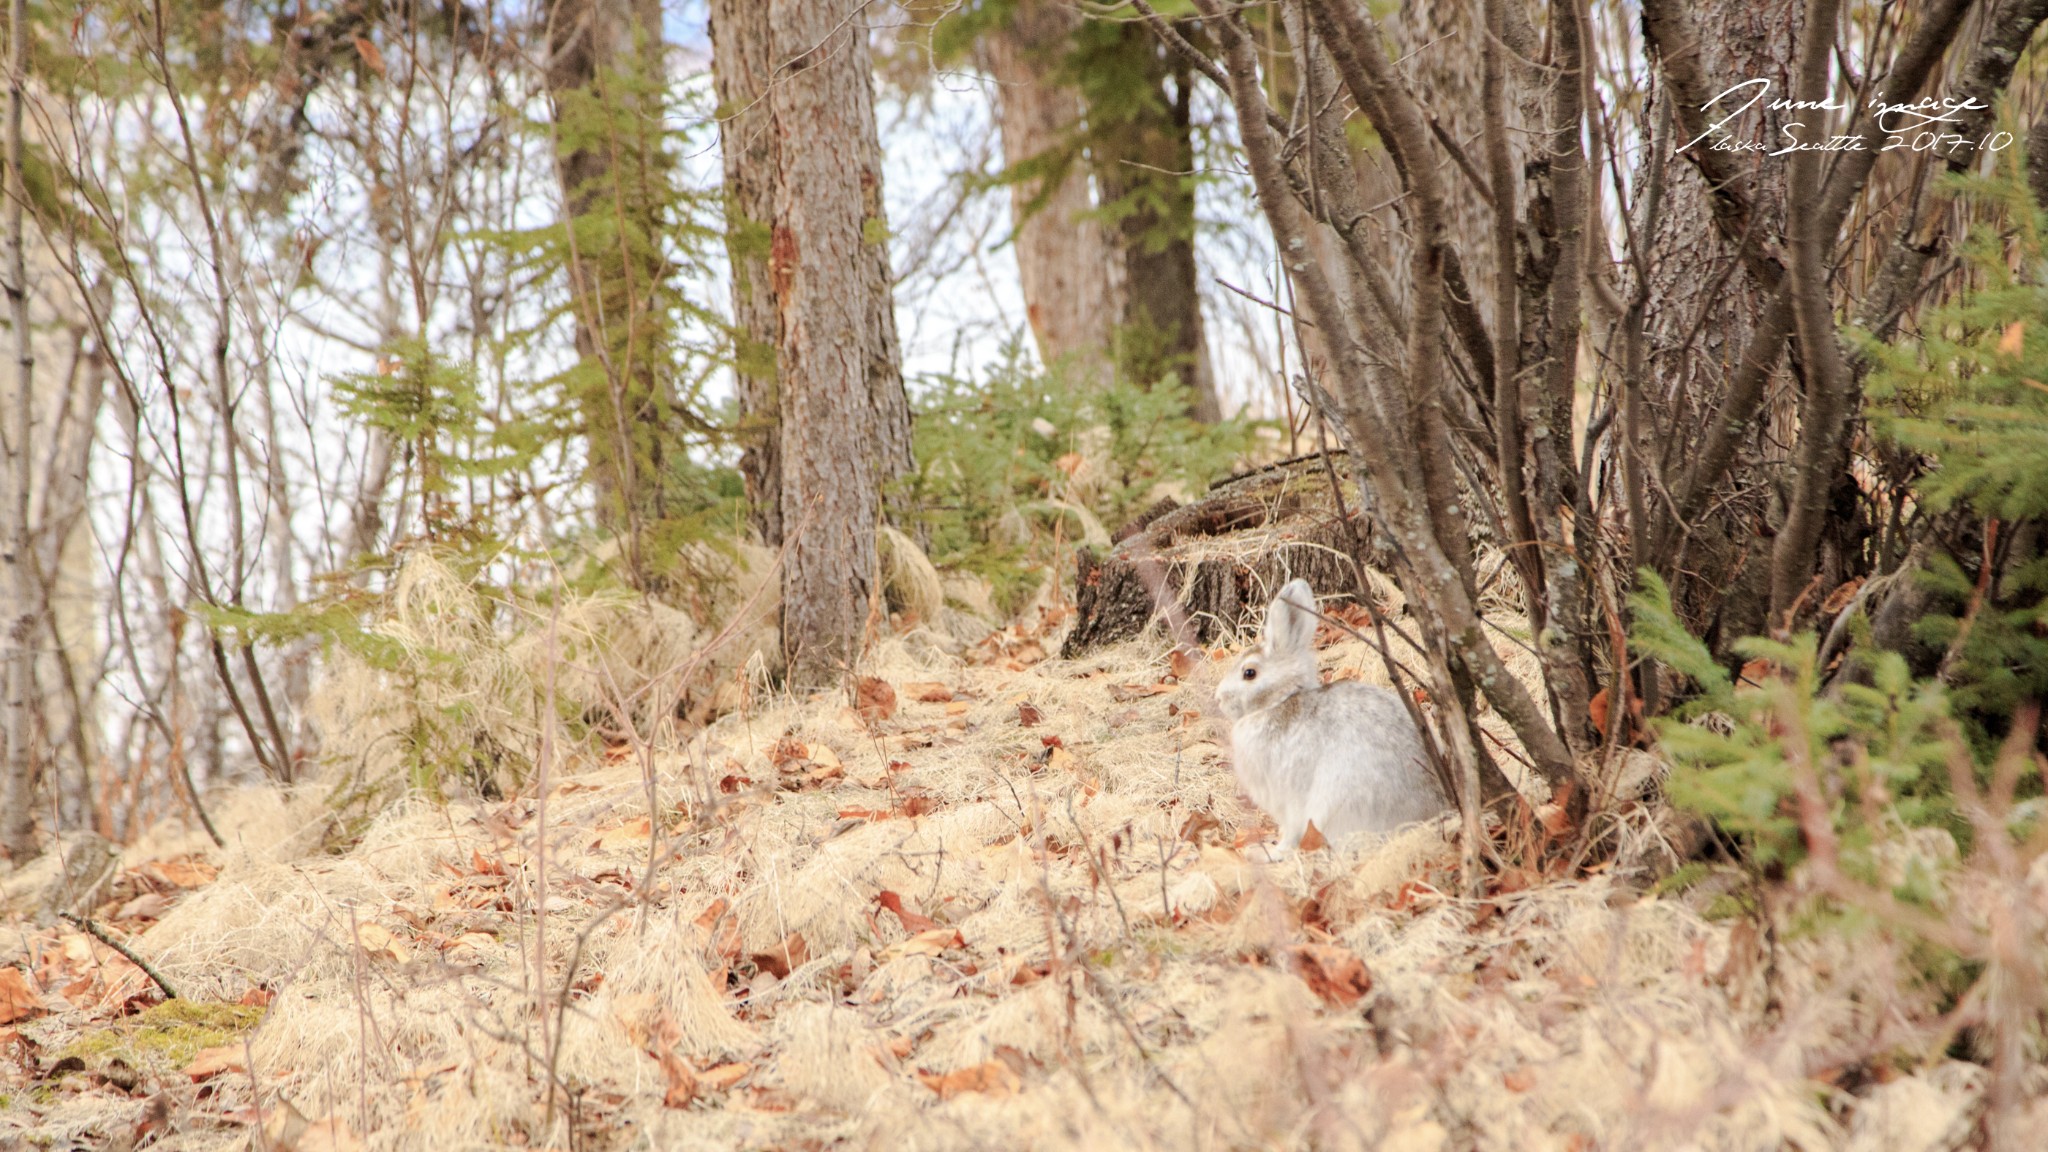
[(593, 47), (1071, 292), (742, 65), (25, 611)]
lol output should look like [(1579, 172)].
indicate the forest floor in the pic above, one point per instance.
[(990, 899)]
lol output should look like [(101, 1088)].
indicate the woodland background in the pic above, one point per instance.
[(411, 406)]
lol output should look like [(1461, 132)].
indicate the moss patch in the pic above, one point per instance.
[(166, 1037)]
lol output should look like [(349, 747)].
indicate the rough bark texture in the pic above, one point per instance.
[(742, 64), (1141, 133), (27, 605), (621, 395), (1703, 304), (1072, 290), (804, 166)]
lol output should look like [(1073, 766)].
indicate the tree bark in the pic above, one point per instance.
[(742, 64), (803, 162), (612, 166), (27, 606), (1072, 294), (1141, 135)]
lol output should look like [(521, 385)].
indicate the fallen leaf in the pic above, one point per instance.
[(1313, 838), (958, 708), (928, 691), (993, 1078), (1334, 973), (1197, 823), (18, 999), (1841, 596), (1029, 714), (930, 943), (721, 1077), (793, 953), (1520, 1080), (211, 1062), (258, 997), (663, 1034), (874, 699), (1181, 663), (379, 942), (2014, 339), (182, 872), (912, 922), (1125, 693), (634, 833)]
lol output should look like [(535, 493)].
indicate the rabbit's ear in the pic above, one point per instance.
[(1290, 619)]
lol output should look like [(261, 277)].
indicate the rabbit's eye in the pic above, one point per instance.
[(1251, 673)]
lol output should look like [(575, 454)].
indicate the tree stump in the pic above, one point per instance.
[(1220, 559)]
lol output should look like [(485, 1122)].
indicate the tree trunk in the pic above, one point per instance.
[(1703, 303), (1071, 291), (1141, 134), (803, 162), (742, 64), (27, 607), (603, 78)]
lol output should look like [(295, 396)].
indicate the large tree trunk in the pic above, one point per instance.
[(603, 76), (804, 167), (1141, 134), (1072, 293)]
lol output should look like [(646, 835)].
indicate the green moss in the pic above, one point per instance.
[(165, 1037)]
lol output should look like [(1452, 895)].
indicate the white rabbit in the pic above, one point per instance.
[(1346, 755)]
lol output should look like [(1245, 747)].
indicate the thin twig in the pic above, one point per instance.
[(99, 933)]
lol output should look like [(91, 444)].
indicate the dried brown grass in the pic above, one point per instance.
[(1118, 982)]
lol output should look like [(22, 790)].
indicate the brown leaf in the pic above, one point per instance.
[(1520, 1080), (928, 692), (1313, 838), (1840, 597), (372, 58), (182, 872), (1198, 823), (993, 1078), (1334, 973), (663, 1034), (211, 1062), (912, 922), (1181, 663), (18, 999), (2014, 340), (931, 942), (1029, 714), (631, 835), (874, 699), (722, 1077), (793, 953), (1125, 693)]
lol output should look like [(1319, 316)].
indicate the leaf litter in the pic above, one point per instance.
[(1002, 900)]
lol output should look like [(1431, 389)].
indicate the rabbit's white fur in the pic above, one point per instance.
[(1345, 755)]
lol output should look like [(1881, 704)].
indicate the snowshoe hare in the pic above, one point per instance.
[(1346, 755)]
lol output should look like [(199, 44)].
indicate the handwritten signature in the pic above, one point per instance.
[(1919, 125)]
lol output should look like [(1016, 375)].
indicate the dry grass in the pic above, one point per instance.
[(1124, 975)]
